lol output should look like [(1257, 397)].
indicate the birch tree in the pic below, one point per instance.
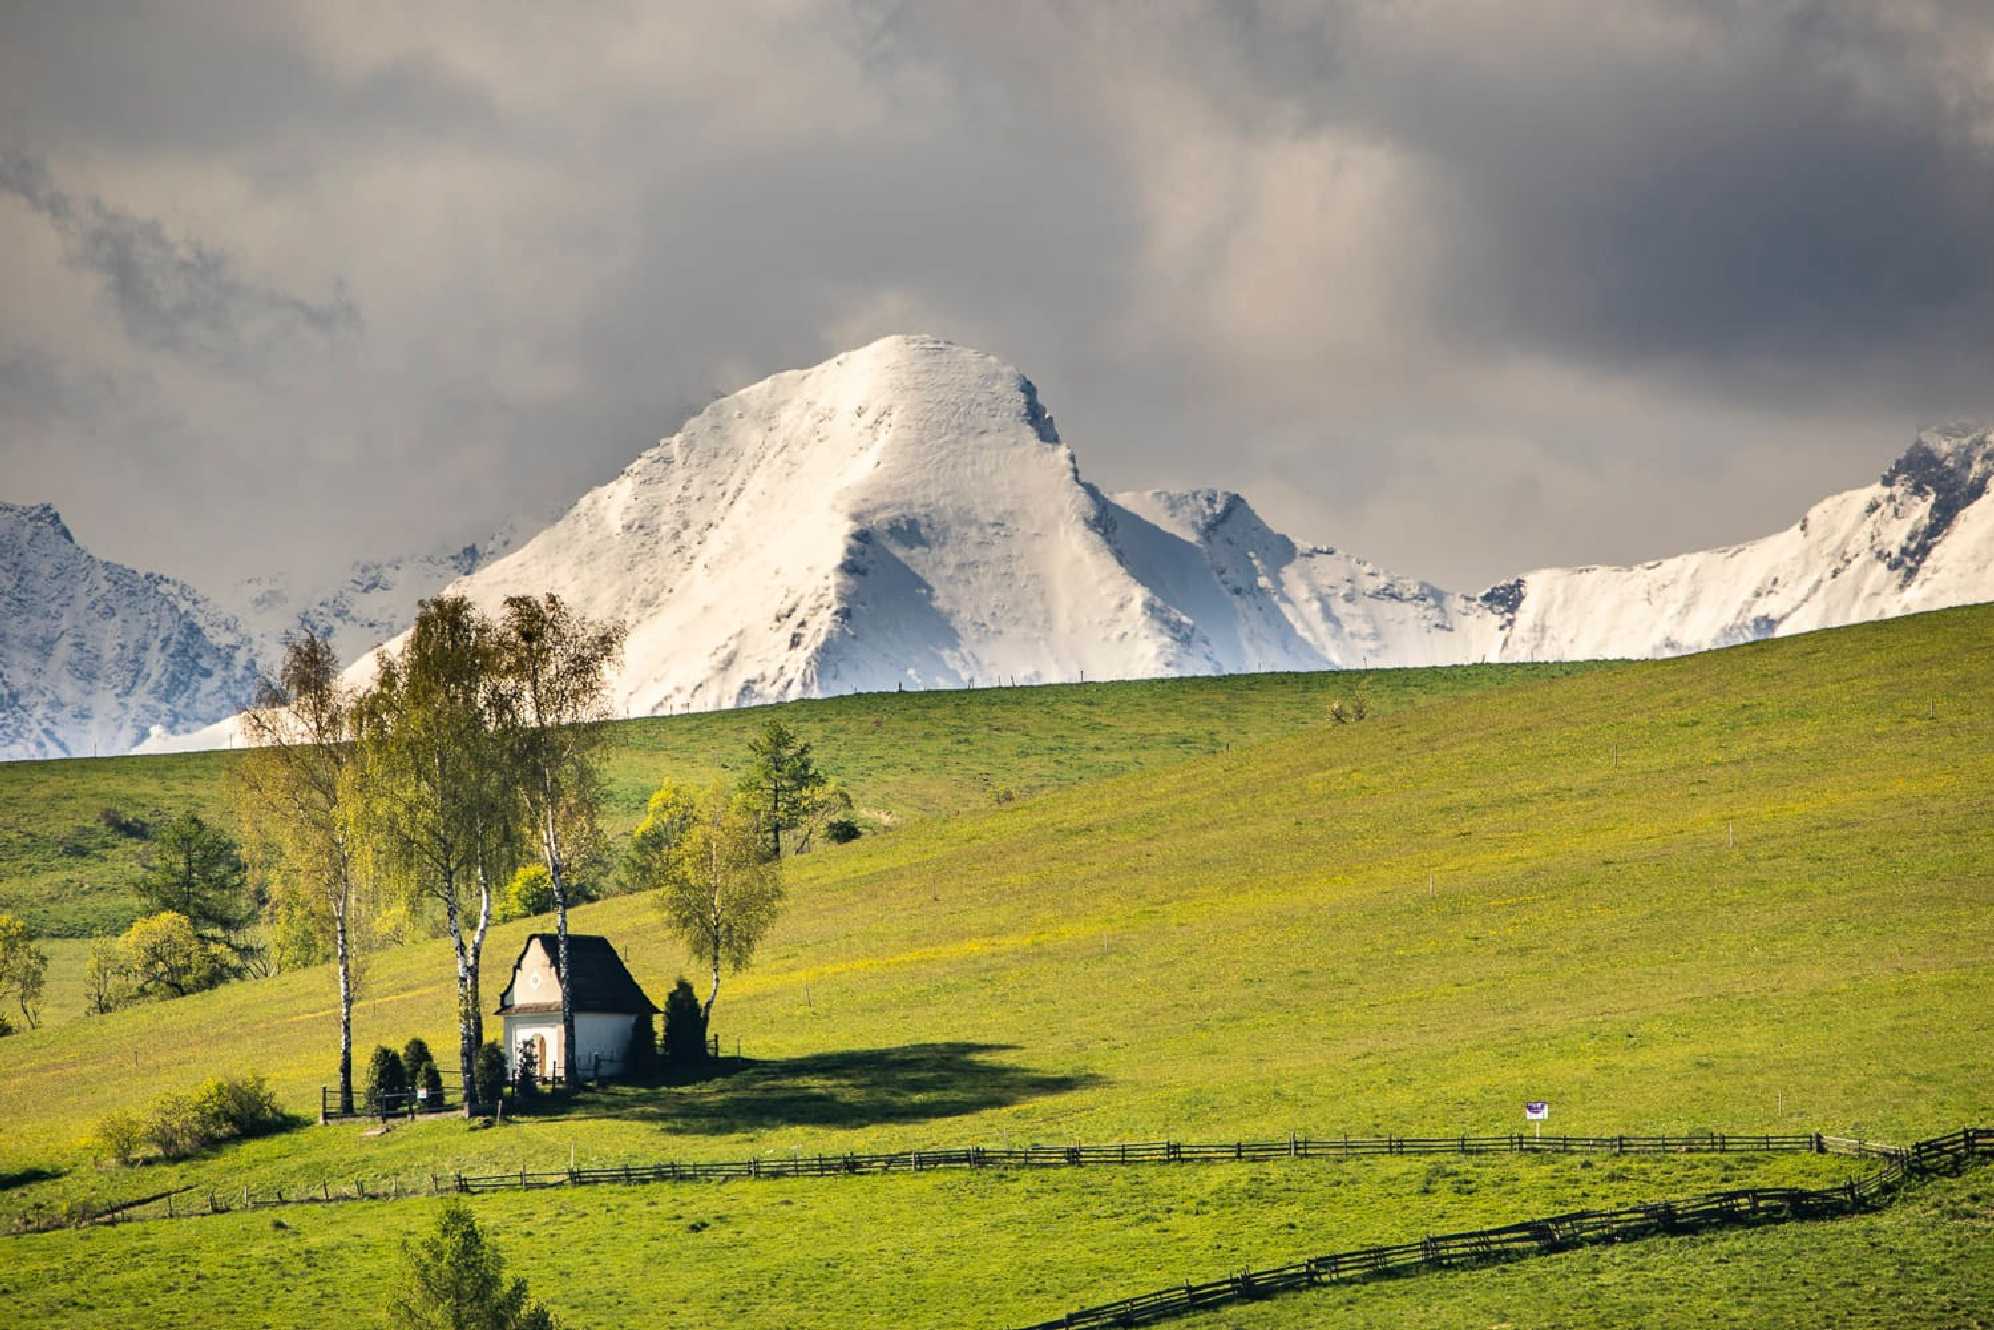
[(23, 968), (294, 791), (436, 816), (556, 664), (717, 887)]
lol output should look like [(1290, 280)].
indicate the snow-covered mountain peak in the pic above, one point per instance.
[(906, 515), (903, 513), (1193, 514), (371, 602), (1960, 446), (1950, 459), (1940, 476), (38, 515), (95, 655)]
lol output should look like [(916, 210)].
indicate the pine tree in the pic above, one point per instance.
[(781, 777), (197, 871), (685, 1025), (455, 1280), (387, 1081)]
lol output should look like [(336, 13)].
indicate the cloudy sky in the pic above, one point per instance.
[(1464, 287)]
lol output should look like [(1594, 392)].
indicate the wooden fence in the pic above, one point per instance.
[(1537, 1237), (800, 1165), (192, 1201), (396, 1104)]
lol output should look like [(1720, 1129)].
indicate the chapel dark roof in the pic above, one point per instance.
[(601, 981)]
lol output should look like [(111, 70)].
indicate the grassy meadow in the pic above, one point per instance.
[(904, 755), (1748, 890)]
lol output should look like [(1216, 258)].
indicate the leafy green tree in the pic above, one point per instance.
[(825, 807), (23, 968), (717, 888), (436, 812), (557, 663), (454, 1279), (668, 816), (106, 985), (196, 871), (530, 892), (161, 956), (294, 790), (781, 779)]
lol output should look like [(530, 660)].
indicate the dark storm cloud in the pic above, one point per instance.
[(171, 295), (1790, 192), (1462, 287)]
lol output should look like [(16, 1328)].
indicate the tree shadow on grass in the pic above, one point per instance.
[(22, 1177), (856, 1088)]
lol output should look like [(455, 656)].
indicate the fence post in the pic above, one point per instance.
[(321, 1106)]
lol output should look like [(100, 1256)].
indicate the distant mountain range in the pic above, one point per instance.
[(95, 656), (906, 515)]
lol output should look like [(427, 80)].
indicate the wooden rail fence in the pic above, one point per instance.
[(1536, 1237), (194, 1201)]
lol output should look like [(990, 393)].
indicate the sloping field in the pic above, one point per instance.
[(67, 870), (1748, 891)]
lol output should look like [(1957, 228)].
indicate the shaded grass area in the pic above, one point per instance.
[(905, 756), (855, 1088), (975, 1250)]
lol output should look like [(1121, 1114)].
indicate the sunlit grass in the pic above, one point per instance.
[(1748, 890)]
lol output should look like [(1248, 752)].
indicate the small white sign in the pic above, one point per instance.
[(1537, 1110)]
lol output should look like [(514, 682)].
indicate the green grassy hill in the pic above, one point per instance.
[(67, 871), (1747, 890)]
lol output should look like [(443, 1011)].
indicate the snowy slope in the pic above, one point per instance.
[(371, 603), (906, 515), (1921, 538), (94, 655), (1269, 604), (902, 515)]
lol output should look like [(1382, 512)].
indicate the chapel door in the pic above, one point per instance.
[(540, 1056)]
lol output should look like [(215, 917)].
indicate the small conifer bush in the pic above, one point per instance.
[(387, 1081), (685, 1025)]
